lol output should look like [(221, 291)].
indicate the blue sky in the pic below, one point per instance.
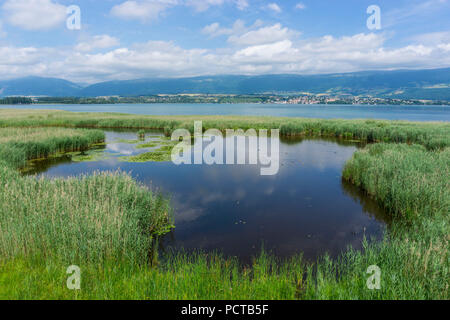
[(121, 39)]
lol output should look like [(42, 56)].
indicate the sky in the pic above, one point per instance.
[(130, 39)]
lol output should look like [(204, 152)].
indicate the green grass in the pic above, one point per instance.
[(151, 144), (412, 184), (91, 155), (18, 145), (409, 181), (86, 219), (141, 134), (105, 222), (161, 154), (410, 270), (431, 135), (160, 141)]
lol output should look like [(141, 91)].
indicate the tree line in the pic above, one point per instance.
[(16, 100)]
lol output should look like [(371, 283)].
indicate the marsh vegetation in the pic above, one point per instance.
[(107, 221)]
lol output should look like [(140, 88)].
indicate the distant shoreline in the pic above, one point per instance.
[(286, 99), (387, 112), (437, 104)]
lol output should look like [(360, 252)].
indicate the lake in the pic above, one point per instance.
[(411, 113), (305, 208)]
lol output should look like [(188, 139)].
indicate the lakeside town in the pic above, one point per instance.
[(224, 99)]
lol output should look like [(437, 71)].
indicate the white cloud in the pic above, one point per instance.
[(34, 14), (156, 58), (277, 53), (359, 42), (300, 6), (265, 51), (21, 61), (97, 42), (444, 46), (263, 35), (211, 29), (215, 30), (274, 7), (143, 10), (257, 34), (146, 10), (203, 5), (241, 4)]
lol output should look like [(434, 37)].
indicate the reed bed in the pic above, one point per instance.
[(18, 145), (86, 219), (432, 135), (409, 181), (410, 269)]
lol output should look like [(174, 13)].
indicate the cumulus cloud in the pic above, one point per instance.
[(143, 10), (34, 14), (203, 5), (146, 10), (444, 47), (153, 58), (276, 52), (274, 7), (97, 42), (240, 35), (211, 29), (263, 35), (215, 30), (262, 53), (21, 61), (241, 4)]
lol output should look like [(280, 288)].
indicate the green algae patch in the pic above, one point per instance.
[(155, 156), (163, 154), (158, 142), (91, 155), (152, 144), (75, 156), (99, 145), (98, 154)]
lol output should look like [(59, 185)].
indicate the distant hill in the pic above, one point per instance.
[(407, 84), (37, 86)]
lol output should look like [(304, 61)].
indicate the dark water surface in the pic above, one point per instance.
[(305, 208), (411, 113)]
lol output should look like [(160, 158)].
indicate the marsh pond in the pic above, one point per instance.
[(305, 208)]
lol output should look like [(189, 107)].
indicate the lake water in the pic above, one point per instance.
[(305, 208), (411, 113)]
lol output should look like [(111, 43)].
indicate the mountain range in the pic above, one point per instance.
[(432, 84)]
